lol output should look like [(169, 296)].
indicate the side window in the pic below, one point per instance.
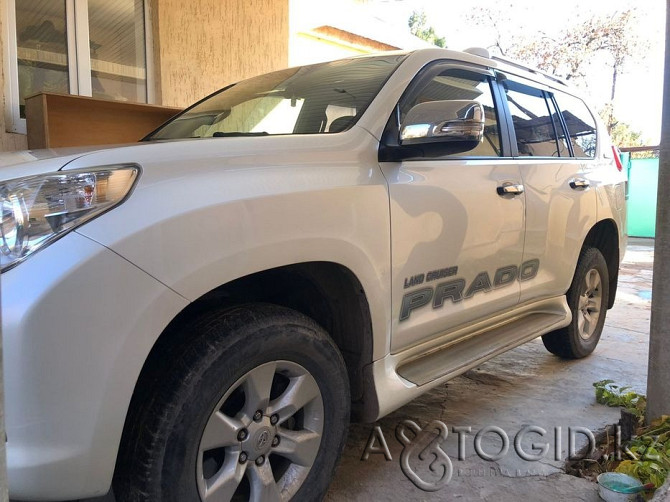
[(532, 118), (460, 84), (580, 123)]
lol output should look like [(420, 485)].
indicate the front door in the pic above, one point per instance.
[(457, 243)]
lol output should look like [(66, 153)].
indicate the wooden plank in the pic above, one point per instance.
[(59, 120), (632, 149), (36, 122)]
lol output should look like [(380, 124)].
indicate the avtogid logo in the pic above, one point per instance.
[(426, 446), (426, 464)]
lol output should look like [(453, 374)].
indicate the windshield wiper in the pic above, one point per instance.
[(219, 134)]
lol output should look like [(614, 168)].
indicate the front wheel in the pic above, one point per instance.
[(255, 408), (587, 298)]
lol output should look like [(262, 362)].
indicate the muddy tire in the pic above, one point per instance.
[(255, 407), (587, 298)]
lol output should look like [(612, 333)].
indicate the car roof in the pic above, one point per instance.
[(481, 56)]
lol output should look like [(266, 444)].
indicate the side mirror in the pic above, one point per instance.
[(444, 122)]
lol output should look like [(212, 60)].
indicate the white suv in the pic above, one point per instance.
[(196, 316)]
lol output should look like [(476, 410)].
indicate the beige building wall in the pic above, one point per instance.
[(201, 46)]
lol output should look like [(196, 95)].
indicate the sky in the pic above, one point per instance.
[(639, 93)]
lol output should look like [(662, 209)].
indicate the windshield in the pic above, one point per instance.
[(320, 98)]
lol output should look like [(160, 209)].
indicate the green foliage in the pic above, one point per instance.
[(647, 154), (418, 25), (612, 395), (648, 453), (623, 135)]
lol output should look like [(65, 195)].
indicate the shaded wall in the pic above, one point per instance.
[(200, 46)]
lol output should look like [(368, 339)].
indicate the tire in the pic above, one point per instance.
[(588, 299), (198, 436)]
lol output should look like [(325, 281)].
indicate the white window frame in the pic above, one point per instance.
[(79, 58)]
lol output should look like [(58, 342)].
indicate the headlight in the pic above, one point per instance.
[(36, 210)]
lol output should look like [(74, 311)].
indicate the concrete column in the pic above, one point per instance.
[(658, 377), (4, 487)]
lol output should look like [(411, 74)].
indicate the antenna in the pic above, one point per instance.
[(478, 51)]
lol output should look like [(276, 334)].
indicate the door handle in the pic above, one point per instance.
[(580, 184), (509, 189)]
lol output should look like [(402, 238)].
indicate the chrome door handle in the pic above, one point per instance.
[(509, 189), (579, 184)]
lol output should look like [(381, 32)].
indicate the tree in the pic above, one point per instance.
[(572, 53), (499, 22), (418, 26), (623, 135)]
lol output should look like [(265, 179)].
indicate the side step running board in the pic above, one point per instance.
[(460, 356)]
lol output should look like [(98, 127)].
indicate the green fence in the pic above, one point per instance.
[(642, 190)]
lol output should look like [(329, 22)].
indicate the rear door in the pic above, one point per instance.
[(456, 243), (561, 205)]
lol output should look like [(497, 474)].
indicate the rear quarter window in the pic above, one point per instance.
[(580, 124)]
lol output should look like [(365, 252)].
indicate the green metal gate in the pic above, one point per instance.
[(642, 192)]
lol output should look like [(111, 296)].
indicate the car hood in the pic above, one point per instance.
[(170, 159), (31, 162), (174, 159)]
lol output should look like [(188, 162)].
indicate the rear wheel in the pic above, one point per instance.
[(588, 299), (256, 407)]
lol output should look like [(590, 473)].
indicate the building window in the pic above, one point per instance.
[(86, 47)]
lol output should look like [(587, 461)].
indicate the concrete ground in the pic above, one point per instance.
[(526, 386)]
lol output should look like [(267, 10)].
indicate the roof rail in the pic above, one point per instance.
[(532, 70)]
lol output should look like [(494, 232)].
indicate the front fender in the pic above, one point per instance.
[(198, 233)]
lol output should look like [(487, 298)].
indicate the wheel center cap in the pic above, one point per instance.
[(262, 439), (259, 440)]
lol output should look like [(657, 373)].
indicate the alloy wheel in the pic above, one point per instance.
[(590, 304), (262, 437)]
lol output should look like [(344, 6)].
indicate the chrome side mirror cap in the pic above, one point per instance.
[(443, 121)]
